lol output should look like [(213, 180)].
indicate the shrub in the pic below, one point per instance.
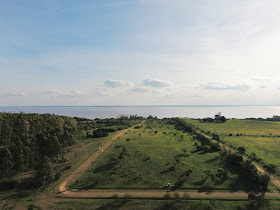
[(271, 168), (127, 196), (167, 196), (241, 149), (57, 176), (115, 196), (99, 133), (188, 172), (177, 195), (33, 207), (186, 196)]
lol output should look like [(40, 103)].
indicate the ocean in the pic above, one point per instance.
[(92, 112)]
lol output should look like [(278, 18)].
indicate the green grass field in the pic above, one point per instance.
[(239, 126), (157, 154), (259, 137)]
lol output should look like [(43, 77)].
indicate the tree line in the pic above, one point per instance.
[(233, 158), (32, 142), (28, 142)]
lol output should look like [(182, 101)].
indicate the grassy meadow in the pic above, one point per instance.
[(240, 126), (155, 154), (257, 136)]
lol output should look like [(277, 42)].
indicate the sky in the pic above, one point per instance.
[(139, 52)]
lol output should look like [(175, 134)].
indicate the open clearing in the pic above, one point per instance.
[(82, 168), (156, 154)]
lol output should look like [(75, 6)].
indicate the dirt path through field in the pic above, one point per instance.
[(82, 168), (108, 193), (226, 148)]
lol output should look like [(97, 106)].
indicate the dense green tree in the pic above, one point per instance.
[(6, 166), (44, 172), (26, 138)]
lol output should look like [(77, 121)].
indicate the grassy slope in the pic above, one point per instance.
[(152, 158)]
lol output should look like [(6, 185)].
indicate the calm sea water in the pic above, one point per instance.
[(159, 111)]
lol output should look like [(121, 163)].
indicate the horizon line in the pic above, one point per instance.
[(199, 105)]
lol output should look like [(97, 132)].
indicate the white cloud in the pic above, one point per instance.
[(262, 80), (117, 83), (102, 92), (138, 90), (74, 93), (156, 83), (223, 86), (16, 93), (62, 93)]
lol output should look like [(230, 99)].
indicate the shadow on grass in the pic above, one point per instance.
[(178, 185), (16, 196), (170, 169), (174, 205), (105, 167), (242, 181), (206, 188), (182, 155), (214, 159), (116, 204), (201, 182)]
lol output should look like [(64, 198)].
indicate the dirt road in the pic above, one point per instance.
[(100, 193), (158, 194), (273, 180), (82, 168)]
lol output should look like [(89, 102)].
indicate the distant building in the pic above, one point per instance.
[(276, 117)]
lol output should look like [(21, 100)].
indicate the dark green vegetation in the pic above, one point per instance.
[(161, 152), (28, 144), (33, 147), (98, 128), (258, 139)]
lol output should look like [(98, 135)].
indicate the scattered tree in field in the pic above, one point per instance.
[(124, 153), (167, 196), (177, 195), (264, 180), (252, 198), (241, 150), (188, 172), (219, 118)]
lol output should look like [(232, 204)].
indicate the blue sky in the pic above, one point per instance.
[(139, 52)]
